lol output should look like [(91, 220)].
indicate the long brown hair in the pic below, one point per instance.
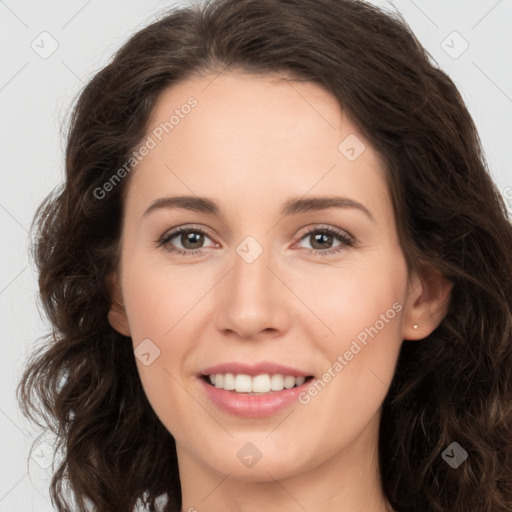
[(454, 386)]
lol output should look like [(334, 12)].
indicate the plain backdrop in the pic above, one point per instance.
[(51, 49)]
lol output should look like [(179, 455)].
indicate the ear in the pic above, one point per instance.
[(427, 303), (117, 314)]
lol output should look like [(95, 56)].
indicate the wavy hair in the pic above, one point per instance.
[(455, 385)]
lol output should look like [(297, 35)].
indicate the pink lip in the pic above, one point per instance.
[(252, 406), (253, 370)]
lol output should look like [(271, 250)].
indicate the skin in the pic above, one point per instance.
[(252, 143)]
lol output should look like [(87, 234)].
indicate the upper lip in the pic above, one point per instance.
[(253, 369)]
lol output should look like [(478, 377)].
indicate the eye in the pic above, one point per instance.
[(190, 238), (322, 238)]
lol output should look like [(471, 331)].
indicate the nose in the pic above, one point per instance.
[(253, 301)]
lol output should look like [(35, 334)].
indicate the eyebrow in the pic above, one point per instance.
[(291, 207)]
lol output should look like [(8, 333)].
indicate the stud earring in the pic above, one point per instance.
[(415, 327)]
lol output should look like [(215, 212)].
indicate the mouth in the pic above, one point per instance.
[(256, 390), (262, 384)]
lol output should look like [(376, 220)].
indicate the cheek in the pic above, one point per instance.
[(162, 306), (349, 300), (359, 359), (362, 307), (159, 298)]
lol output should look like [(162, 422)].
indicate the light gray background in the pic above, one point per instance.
[(35, 98)]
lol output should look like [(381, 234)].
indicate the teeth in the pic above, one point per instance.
[(229, 382), (219, 380), (259, 384), (243, 383), (289, 382)]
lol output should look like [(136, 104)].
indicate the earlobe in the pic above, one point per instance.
[(427, 303), (117, 317)]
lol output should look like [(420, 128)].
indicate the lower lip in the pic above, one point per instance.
[(253, 406)]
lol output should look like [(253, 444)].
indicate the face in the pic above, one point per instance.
[(288, 272)]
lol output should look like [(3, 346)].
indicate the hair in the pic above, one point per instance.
[(453, 386)]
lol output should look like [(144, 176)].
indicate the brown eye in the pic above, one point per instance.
[(187, 241), (191, 239), (322, 239)]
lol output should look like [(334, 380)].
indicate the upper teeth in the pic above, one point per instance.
[(259, 384)]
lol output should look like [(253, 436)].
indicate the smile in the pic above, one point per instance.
[(255, 385)]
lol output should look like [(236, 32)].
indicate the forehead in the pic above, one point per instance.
[(258, 135), (247, 111)]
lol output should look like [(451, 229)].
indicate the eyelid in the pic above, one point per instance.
[(186, 227), (346, 239), (194, 227), (310, 228)]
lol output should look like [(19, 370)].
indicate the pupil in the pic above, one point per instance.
[(321, 236), (191, 238)]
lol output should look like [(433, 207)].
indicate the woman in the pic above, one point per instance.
[(201, 353)]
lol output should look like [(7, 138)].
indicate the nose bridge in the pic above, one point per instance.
[(250, 272), (252, 298), (251, 279)]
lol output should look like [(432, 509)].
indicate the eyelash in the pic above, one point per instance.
[(345, 239)]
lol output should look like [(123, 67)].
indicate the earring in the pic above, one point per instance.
[(415, 327)]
